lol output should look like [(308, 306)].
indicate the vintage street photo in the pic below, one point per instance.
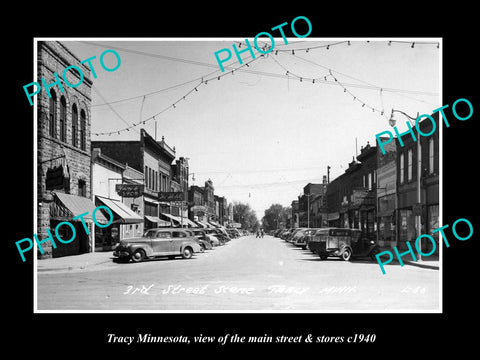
[(233, 175)]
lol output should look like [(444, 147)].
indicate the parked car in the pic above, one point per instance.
[(158, 242), (285, 233), (343, 243), (300, 238), (212, 237), (290, 236), (202, 238)]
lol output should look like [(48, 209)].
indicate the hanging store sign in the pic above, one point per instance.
[(130, 190), (171, 196)]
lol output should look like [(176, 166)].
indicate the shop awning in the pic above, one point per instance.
[(205, 224), (158, 221), (68, 206), (333, 216), (187, 221), (172, 217), (121, 213)]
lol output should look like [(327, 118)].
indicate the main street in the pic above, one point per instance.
[(246, 274)]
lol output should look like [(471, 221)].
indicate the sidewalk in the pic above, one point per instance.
[(427, 262), (75, 262)]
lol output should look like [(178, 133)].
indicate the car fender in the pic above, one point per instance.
[(194, 246), (148, 249), (345, 246)]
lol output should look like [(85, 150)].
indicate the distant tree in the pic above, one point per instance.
[(274, 216), (243, 214)]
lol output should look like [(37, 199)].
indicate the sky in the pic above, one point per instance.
[(264, 131)]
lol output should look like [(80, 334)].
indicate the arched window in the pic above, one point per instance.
[(63, 119), (52, 115), (431, 156), (83, 130), (74, 125)]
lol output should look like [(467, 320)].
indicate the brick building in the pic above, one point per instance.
[(151, 158), (351, 197), (407, 170), (63, 151)]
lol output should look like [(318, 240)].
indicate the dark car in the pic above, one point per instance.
[(202, 238), (158, 242), (343, 243)]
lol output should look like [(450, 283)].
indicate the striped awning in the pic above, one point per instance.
[(121, 213), (68, 206)]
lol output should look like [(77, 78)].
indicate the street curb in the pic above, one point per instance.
[(73, 267), (422, 265)]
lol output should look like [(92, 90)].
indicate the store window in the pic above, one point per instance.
[(432, 213), (406, 227)]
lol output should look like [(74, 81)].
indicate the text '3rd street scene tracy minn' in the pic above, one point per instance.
[(261, 188)]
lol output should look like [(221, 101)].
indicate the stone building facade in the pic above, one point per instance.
[(63, 149)]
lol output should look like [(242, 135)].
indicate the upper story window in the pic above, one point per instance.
[(82, 188), (410, 164), (402, 168), (52, 114), (74, 125), (83, 130), (63, 119), (431, 155)]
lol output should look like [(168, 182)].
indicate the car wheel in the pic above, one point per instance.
[(138, 255), (346, 254), (187, 252)]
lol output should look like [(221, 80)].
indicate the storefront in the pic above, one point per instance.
[(386, 221), (65, 207), (125, 224)]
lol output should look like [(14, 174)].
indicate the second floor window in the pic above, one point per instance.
[(52, 115), (431, 156), (83, 130), (410, 164), (63, 119), (74, 125), (402, 168)]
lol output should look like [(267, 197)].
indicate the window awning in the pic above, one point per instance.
[(178, 220), (68, 206), (190, 222), (204, 224), (156, 220), (214, 224), (121, 213)]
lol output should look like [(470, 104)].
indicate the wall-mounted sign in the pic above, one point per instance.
[(171, 196), (130, 190)]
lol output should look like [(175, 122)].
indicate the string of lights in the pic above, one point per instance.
[(203, 81), (325, 77), (348, 42)]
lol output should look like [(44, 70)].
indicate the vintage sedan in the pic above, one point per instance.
[(158, 242)]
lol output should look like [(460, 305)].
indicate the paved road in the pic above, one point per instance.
[(247, 274)]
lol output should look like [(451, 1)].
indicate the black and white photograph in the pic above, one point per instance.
[(235, 180), (257, 184)]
